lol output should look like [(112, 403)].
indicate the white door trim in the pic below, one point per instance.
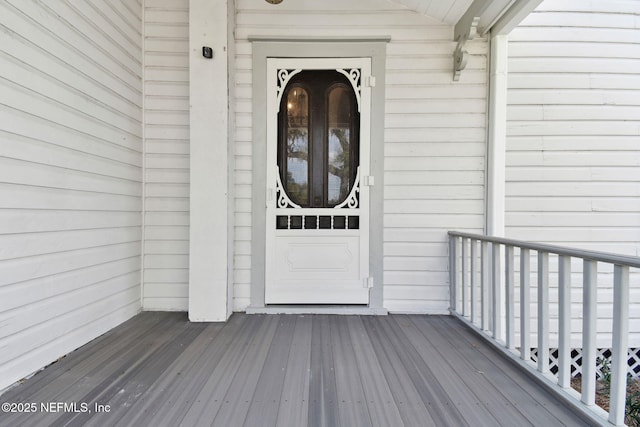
[(266, 47)]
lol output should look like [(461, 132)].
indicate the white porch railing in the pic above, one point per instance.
[(488, 304)]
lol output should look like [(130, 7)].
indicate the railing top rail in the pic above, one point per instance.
[(631, 261)]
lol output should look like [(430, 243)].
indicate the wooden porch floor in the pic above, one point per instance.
[(158, 369)]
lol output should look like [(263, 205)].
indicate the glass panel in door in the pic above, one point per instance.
[(339, 162), (297, 145)]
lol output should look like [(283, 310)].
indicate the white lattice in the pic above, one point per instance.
[(634, 362), (576, 362), (603, 360)]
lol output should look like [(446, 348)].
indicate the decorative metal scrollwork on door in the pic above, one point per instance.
[(282, 198), (318, 107)]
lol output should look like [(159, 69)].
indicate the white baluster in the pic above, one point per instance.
[(564, 321), (525, 301), (543, 312), (619, 346), (453, 267), (496, 323), (464, 255), (472, 279), (484, 285), (589, 322), (509, 297)]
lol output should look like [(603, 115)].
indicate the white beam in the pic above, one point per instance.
[(510, 19), (497, 16), (474, 12), (465, 30), (491, 15), (482, 16), (497, 137), (476, 21), (209, 195)]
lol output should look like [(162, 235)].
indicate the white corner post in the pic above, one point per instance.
[(209, 168), (498, 22), (497, 137)]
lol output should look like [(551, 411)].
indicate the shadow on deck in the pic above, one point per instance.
[(291, 370)]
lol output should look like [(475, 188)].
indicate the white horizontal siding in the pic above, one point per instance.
[(434, 162), (434, 138), (166, 155), (573, 164), (70, 176), (573, 158)]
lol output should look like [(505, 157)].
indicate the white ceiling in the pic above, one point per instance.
[(447, 11), (451, 11)]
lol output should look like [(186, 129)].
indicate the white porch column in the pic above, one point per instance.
[(497, 137), (209, 115)]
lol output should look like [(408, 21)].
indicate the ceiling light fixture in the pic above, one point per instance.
[(274, 1)]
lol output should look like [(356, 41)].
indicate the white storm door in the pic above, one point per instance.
[(317, 201)]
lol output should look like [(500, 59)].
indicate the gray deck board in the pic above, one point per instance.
[(539, 408), (175, 389), (50, 383), (407, 399), (221, 376), (439, 402), (268, 389), (380, 400), (170, 403), (478, 393), (134, 373), (239, 397), (293, 408), (323, 408), (352, 402), (289, 370)]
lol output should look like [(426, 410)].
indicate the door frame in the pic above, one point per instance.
[(347, 285), (263, 48)]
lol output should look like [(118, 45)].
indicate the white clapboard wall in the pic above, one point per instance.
[(70, 176), (434, 138), (573, 148), (166, 155)]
